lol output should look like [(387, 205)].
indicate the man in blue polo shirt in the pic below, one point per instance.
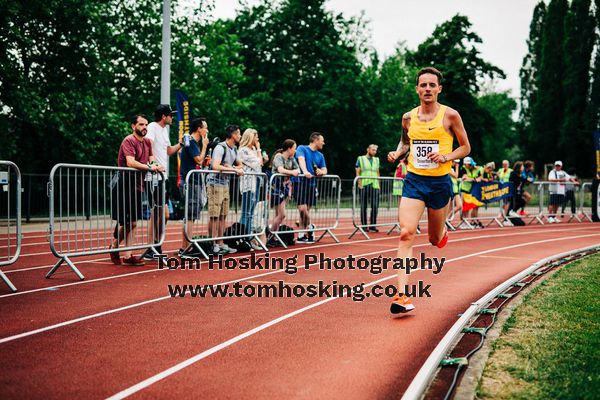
[(312, 163)]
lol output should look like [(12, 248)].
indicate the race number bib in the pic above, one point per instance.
[(420, 149)]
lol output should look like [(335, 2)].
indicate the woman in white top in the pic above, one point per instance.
[(249, 154)]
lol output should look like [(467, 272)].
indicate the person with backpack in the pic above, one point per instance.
[(224, 159)]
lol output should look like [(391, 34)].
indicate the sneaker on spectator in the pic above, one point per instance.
[(556, 220), (255, 246), (148, 255), (551, 220), (134, 261), (272, 242), (192, 253), (305, 239), (227, 250)]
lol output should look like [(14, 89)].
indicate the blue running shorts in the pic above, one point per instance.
[(434, 191)]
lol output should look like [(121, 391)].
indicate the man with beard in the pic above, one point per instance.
[(135, 152)]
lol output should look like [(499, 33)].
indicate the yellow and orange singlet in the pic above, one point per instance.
[(425, 138)]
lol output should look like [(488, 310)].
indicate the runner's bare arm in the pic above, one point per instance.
[(457, 127), (404, 144)]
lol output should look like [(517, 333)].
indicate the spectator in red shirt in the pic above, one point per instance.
[(135, 152)]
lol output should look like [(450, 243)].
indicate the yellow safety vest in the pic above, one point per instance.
[(369, 169), (425, 138), (504, 176), (474, 173)]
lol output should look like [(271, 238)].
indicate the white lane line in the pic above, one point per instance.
[(107, 312), (49, 252), (155, 269), (184, 364), (536, 230), (145, 271), (509, 258), (106, 256)]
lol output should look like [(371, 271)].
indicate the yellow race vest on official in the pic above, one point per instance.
[(425, 138), (369, 169), (504, 176)]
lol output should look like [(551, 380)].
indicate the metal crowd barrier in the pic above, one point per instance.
[(373, 207), (211, 210), (563, 196), (585, 201), (322, 194), (92, 205), (10, 220)]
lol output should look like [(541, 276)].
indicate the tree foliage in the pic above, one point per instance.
[(72, 72), (559, 92), (528, 76), (452, 48)]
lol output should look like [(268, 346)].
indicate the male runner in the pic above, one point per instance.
[(429, 132)]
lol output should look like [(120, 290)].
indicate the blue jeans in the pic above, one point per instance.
[(248, 205)]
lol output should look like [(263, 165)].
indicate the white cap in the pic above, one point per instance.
[(558, 163)]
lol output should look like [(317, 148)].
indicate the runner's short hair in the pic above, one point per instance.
[(430, 70)]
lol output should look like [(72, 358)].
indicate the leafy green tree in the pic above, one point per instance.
[(579, 42), (547, 112), (304, 76), (53, 81), (395, 84), (452, 49), (593, 110), (528, 75), (500, 142)]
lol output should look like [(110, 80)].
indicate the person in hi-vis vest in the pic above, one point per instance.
[(367, 169)]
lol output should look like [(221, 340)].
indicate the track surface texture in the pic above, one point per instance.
[(119, 333)]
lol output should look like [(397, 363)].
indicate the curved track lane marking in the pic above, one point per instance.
[(184, 364), (145, 302), (532, 230)]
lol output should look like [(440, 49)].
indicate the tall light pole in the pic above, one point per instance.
[(165, 71)]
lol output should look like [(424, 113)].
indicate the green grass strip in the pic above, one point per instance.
[(550, 346)]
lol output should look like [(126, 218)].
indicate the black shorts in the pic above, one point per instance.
[(556, 199), (305, 193), (126, 206)]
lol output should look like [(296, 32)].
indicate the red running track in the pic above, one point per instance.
[(119, 333)]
